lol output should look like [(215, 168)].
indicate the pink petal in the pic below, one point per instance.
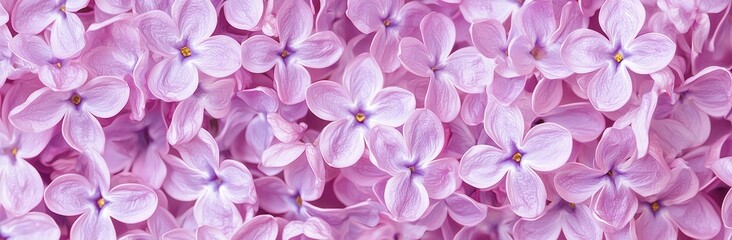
[(42, 110), (585, 51), (726, 214), (291, 83), (21, 188), (472, 108), (217, 97), (615, 146), (183, 182), (68, 195), (363, 78), (438, 34), (31, 48), (551, 65), (236, 182), (723, 169), (284, 130), (33, 16), (526, 192), (281, 154), (683, 186), (341, 143), (391, 107), (483, 166), (92, 226), (506, 90), (576, 182), (384, 49), (647, 175), (442, 99), (406, 199), (320, 50), (131, 203), (173, 80), (610, 88), (649, 53), (710, 88), (316, 228), (546, 147), (441, 178), (196, 19), (260, 53), (243, 14), (32, 225), (66, 78), (415, 57), (583, 122), (295, 22), (615, 205), (547, 226), (537, 20), (150, 168), (209, 232), (504, 124), (217, 56), (468, 70), (465, 210), (261, 99), (650, 225), (581, 224), (82, 131), (389, 150), (273, 195), (367, 15), (159, 32), (201, 152), (622, 20), (31, 144), (113, 6), (214, 210), (424, 135), (186, 122), (697, 218), (547, 95), (489, 37), (67, 36), (307, 177), (104, 97), (329, 100), (260, 227), (519, 55)]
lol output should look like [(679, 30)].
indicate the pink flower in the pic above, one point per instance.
[(355, 107), (32, 225), (586, 51), (184, 40), (298, 48), (211, 95), (575, 220), (101, 97), (465, 68), (545, 147), (244, 14), (57, 73), (67, 30)]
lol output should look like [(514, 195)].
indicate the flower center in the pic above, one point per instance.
[(610, 173), (411, 168), (299, 201), (58, 64), (101, 202), (284, 54), (14, 151), (572, 205), (516, 157), (360, 117), (75, 99), (537, 53), (618, 57), (387, 22), (655, 206), (185, 51), (63, 8)]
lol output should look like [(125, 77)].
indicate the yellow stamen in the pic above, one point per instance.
[(516, 157), (572, 205), (14, 151), (185, 51), (58, 64), (387, 22), (360, 117), (299, 201), (101, 202), (655, 206), (618, 57), (63, 8), (284, 54), (75, 99), (537, 53)]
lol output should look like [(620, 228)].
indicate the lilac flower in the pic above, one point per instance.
[(214, 96), (355, 107), (586, 51), (298, 48), (465, 68), (32, 225), (72, 194), (57, 73), (184, 39), (100, 97), (545, 147), (575, 220), (615, 180), (392, 20), (416, 174), (67, 30), (243, 14)]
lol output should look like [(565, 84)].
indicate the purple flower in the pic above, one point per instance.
[(32, 225), (67, 29), (57, 73)]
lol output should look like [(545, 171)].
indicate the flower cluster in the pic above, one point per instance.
[(365, 119)]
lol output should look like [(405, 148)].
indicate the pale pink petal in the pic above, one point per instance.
[(651, 225), (610, 88), (262, 227), (260, 53), (187, 120), (31, 48), (65, 78), (183, 182), (647, 175), (389, 150), (150, 168), (537, 20), (113, 6), (214, 210), (317, 228), (697, 218), (384, 48), (130, 202), (284, 130), (179, 234), (615, 146), (201, 152), (407, 200), (209, 232), (363, 78), (69, 195), (33, 16), (295, 22), (42, 110), (585, 51), (367, 15), (726, 214), (472, 108), (547, 226), (33, 225), (723, 169), (583, 122), (489, 37), (104, 97), (622, 20), (468, 70), (710, 90), (273, 195), (615, 205), (216, 56), (291, 83), (649, 53), (307, 177), (576, 182), (67, 36), (217, 96), (236, 182), (329, 100), (31, 144), (243, 14), (342, 143), (465, 210), (320, 50), (520, 57), (526, 192), (550, 63), (424, 135), (76, 5), (281, 154), (21, 188), (438, 34), (91, 226), (546, 147), (441, 178), (159, 32), (82, 131), (483, 166), (391, 107), (504, 124), (581, 224), (261, 99), (547, 95), (196, 19), (414, 57), (173, 79), (505, 90), (442, 99)]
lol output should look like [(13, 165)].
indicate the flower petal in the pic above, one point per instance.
[(622, 20), (320, 50), (65, 78), (366, 15), (576, 182), (104, 97), (655, 226), (196, 19), (415, 57), (407, 200), (201, 152), (615, 146), (546, 96), (615, 205), (92, 226), (262, 227), (547, 226), (68, 195), (159, 31), (391, 107), (441, 178), (236, 182), (33, 225), (273, 195), (585, 51), (424, 134), (31, 48), (610, 89), (489, 37), (482, 166), (581, 224), (131, 202), (217, 56), (281, 154), (173, 80), (442, 98), (697, 218), (710, 90), (33, 16), (526, 192), (341, 143), (649, 53), (186, 122), (41, 111), (243, 14), (647, 175), (389, 150), (723, 169), (183, 182), (583, 122), (363, 78), (328, 100), (468, 70), (465, 210), (21, 188), (504, 124), (438, 34), (384, 48), (82, 131), (67, 36), (214, 210), (295, 21), (291, 82), (260, 53)]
